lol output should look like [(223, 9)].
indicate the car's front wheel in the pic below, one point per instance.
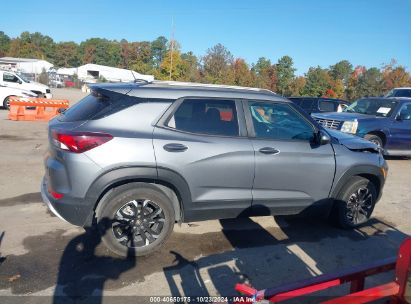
[(355, 202), (375, 139), (135, 219)]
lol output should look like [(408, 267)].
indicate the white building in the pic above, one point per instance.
[(92, 72), (25, 65)]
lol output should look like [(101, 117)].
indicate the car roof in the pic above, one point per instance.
[(388, 98), (174, 90), (317, 98)]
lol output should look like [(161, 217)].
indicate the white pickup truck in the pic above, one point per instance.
[(13, 80)]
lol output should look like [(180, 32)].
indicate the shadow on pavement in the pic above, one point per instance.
[(269, 257), (82, 273)]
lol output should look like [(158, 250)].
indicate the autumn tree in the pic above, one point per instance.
[(341, 71), (297, 86), (285, 75), (395, 76), (265, 74), (171, 68), (4, 44), (66, 54), (189, 68), (242, 76), (369, 83), (159, 50), (216, 65), (318, 81)]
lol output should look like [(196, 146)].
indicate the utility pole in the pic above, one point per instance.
[(171, 46)]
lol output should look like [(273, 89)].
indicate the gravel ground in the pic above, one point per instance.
[(42, 256)]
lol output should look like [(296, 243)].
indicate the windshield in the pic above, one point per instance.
[(399, 93), (23, 78), (377, 107)]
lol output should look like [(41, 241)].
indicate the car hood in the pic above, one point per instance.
[(343, 116), (352, 142)]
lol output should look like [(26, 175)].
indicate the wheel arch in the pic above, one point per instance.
[(381, 134), (372, 173), (171, 184)]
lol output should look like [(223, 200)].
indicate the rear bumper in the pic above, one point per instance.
[(74, 211)]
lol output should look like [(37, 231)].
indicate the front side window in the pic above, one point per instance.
[(206, 116), (279, 122), (328, 106), (405, 112), (10, 77)]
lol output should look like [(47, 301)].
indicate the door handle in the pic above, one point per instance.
[(269, 150), (175, 147)]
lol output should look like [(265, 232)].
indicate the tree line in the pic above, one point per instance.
[(165, 60)]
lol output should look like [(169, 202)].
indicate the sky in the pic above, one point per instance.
[(315, 32)]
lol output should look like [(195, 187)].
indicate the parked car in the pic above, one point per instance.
[(319, 104), (6, 93), (399, 92), (13, 80), (383, 121), (136, 158)]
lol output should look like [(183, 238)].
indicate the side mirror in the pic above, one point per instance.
[(398, 117), (20, 82), (322, 138)]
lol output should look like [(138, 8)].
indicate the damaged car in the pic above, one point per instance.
[(133, 159)]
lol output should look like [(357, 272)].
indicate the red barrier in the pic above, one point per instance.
[(399, 290)]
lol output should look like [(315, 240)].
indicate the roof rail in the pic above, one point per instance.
[(206, 85)]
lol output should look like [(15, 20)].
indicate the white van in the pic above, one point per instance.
[(13, 80)]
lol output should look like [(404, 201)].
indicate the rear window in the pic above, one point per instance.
[(328, 106), (307, 104), (98, 105)]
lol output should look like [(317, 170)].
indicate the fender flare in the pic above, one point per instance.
[(157, 176), (360, 170)]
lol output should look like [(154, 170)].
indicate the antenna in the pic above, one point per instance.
[(134, 76), (171, 45)]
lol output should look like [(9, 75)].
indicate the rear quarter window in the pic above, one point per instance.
[(100, 104)]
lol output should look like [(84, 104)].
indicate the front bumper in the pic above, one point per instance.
[(48, 95), (78, 212)]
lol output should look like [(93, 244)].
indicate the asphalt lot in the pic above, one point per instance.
[(38, 251)]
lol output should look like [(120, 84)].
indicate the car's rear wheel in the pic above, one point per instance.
[(375, 139), (135, 219), (355, 203)]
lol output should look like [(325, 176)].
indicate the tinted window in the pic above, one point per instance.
[(98, 105), (405, 112), (307, 104), (10, 77), (216, 117), (399, 93), (328, 106), (279, 121), (297, 101)]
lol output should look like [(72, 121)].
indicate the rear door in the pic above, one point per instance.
[(291, 173), (401, 129), (203, 140)]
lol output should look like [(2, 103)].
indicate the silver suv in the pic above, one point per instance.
[(133, 159)]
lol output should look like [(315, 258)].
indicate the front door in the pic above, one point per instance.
[(291, 173), (204, 142), (401, 130)]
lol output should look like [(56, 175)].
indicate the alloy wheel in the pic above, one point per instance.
[(359, 206), (138, 223)]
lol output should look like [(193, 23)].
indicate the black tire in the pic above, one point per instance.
[(135, 219), (350, 212), (6, 104), (375, 139)]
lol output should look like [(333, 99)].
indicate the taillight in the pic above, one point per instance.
[(79, 142)]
